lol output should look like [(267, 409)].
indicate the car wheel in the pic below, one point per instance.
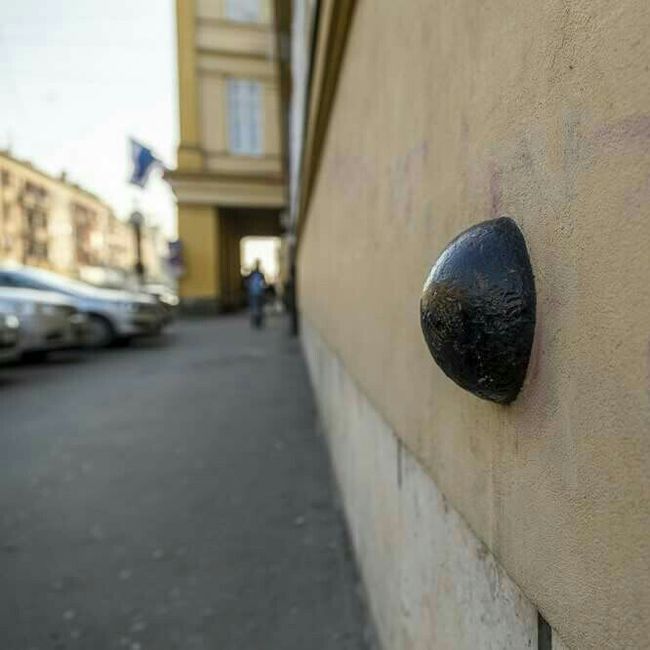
[(100, 332)]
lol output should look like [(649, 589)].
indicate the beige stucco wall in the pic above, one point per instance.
[(451, 113), (430, 584)]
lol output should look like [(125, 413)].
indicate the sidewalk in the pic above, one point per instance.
[(172, 496)]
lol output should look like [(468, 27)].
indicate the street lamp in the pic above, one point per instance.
[(137, 221)]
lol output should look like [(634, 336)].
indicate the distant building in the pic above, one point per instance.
[(230, 179), (48, 222)]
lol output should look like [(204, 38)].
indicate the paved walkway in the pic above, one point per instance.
[(174, 495)]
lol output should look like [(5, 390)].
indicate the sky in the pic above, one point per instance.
[(77, 79), (264, 249)]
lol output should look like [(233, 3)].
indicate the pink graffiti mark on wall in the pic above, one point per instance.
[(627, 133), (407, 174), (350, 174)]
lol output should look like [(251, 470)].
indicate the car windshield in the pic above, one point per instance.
[(45, 280)]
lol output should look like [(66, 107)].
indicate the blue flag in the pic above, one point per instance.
[(143, 162)]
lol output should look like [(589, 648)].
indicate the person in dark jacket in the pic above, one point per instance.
[(255, 287)]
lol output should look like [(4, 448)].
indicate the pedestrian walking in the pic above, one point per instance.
[(256, 286)]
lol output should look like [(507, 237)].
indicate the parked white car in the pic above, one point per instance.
[(48, 321), (166, 298), (9, 336), (112, 314)]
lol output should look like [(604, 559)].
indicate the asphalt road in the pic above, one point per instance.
[(172, 495)]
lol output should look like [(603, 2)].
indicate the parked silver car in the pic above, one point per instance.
[(167, 299), (48, 321), (112, 314), (9, 336)]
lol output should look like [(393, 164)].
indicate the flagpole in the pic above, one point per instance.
[(144, 160)]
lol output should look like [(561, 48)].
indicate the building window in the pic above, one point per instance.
[(244, 117), (37, 249), (245, 11)]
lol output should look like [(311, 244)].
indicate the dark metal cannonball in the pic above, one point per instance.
[(477, 310)]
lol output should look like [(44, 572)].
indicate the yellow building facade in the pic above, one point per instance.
[(229, 181)]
